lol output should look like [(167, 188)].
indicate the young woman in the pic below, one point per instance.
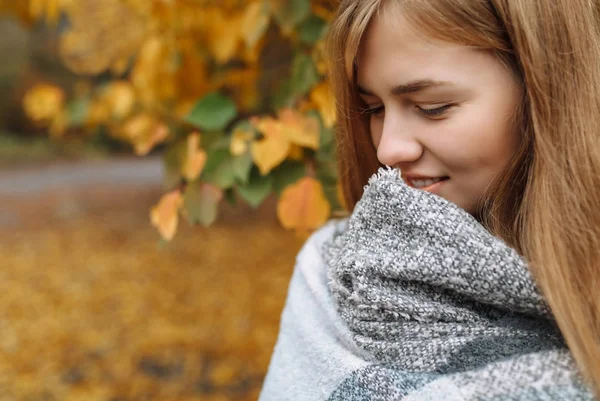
[(470, 266)]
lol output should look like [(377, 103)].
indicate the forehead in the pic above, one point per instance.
[(392, 51)]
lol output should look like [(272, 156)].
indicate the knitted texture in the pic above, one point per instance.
[(412, 299), (425, 288)]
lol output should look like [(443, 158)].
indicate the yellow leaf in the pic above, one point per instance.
[(99, 114), (59, 125), (153, 74), (195, 158), (325, 11), (239, 141), (100, 34), (120, 99), (322, 97), (43, 102), (296, 153), (319, 57), (119, 66), (272, 150), (242, 85), (301, 130), (36, 8), (52, 11), (223, 34), (254, 23), (164, 216), (144, 132), (192, 73), (303, 206)]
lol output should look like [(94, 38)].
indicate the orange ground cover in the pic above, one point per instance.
[(92, 308)]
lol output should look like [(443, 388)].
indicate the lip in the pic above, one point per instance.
[(433, 188)]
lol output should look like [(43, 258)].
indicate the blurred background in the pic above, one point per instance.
[(161, 164)]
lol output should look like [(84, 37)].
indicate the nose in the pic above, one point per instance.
[(396, 143)]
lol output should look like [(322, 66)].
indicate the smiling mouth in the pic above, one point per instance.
[(426, 184)]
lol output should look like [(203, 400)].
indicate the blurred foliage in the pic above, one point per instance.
[(16, 151), (233, 91)]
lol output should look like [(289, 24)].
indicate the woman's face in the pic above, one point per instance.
[(440, 112)]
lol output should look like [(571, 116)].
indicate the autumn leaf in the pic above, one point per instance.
[(119, 98), (289, 13), (59, 125), (323, 99), (153, 75), (43, 102), (272, 150), (239, 141), (303, 206), (296, 153), (301, 130), (201, 201), (223, 33), (144, 132), (99, 113), (164, 216), (49, 10), (195, 158), (204, 64), (100, 34), (254, 23)]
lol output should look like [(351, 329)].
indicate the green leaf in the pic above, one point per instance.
[(244, 125), (212, 140), (215, 159), (77, 110), (257, 189), (304, 74), (284, 95), (173, 159), (286, 174), (327, 175), (303, 77), (201, 203), (223, 169), (213, 112), (327, 135), (242, 165), (311, 30), (230, 196), (219, 169), (289, 13)]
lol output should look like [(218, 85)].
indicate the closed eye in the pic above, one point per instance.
[(437, 112), (374, 110)]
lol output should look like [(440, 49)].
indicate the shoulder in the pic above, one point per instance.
[(311, 253), (310, 279)]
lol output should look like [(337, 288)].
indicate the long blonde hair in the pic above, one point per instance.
[(547, 202)]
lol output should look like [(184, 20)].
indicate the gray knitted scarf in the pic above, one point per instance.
[(430, 305)]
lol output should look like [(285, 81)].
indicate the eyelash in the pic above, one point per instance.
[(426, 112)]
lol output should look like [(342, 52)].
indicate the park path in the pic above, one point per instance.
[(67, 188), (127, 171)]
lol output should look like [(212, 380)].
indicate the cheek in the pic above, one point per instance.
[(479, 142), (375, 128)]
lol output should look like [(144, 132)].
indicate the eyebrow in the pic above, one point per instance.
[(410, 87)]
